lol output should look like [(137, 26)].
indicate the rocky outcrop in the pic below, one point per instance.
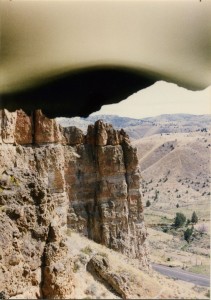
[(57, 266), (103, 187), (52, 178), (100, 267), (28, 210), (45, 130)]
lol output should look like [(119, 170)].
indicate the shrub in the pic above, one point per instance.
[(194, 218), (177, 205), (148, 203), (202, 229), (76, 267), (155, 197), (87, 250), (179, 220), (187, 234)]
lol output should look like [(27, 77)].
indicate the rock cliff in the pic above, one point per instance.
[(52, 178)]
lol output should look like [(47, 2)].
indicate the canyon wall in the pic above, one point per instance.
[(52, 178)]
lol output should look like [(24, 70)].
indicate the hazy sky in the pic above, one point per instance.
[(161, 98)]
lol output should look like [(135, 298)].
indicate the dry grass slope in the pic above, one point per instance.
[(176, 178), (143, 284)]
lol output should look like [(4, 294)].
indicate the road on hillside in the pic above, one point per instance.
[(180, 274)]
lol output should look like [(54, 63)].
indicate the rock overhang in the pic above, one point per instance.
[(82, 91)]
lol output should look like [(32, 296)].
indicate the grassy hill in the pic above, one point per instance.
[(175, 167)]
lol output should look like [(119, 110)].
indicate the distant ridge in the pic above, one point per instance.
[(138, 128), (115, 120), (179, 117)]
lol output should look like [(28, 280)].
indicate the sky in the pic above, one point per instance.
[(161, 98)]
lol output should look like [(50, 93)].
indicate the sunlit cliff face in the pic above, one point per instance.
[(59, 55)]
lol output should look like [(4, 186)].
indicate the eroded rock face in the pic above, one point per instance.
[(30, 204), (103, 182), (8, 123), (100, 266), (57, 266), (52, 178), (45, 130), (23, 129)]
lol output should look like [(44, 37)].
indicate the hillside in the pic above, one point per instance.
[(139, 283), (175, 172), (175, 167), (138, 128)]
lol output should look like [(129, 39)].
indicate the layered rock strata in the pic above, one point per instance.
[(52, 178)]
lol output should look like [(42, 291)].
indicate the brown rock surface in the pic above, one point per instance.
[(23, 129), (46, 130), (73, 135), (51, 178), (99, 266), (57, 266), (103, 182)]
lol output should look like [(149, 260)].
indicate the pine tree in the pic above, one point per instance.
[(179, 220), (194, 218), (187, 234)]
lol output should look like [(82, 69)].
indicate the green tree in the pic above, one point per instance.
[(187, 234), (148, 203), (194, 218), (179, 220)]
